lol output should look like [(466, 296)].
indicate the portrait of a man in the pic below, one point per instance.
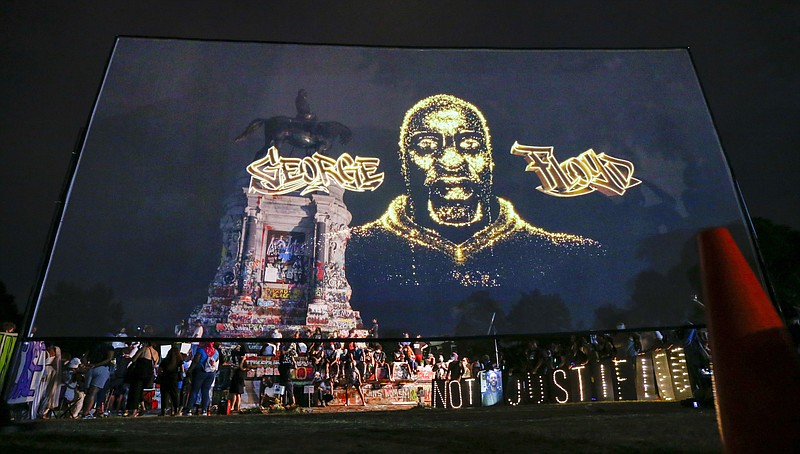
[(491, 387), (449, 230), (446, 159)]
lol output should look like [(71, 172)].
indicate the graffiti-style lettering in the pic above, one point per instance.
[(30, 368), (580, 175), (276, 175), (282, 293)]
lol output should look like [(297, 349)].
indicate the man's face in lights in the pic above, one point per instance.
[(448, 145)]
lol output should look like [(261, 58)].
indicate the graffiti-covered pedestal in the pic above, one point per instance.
[(282, 266)]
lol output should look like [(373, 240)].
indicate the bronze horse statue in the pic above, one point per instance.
[(302, 131)]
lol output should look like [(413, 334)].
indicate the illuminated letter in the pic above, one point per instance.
[(265, 173), (450, 390), (519, 393), (580, 380), (369, 180), (619, 174), (469, 385), (436, 391), (555, 382), (544, 164)]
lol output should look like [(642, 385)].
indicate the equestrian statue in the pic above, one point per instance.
[(303, 131)]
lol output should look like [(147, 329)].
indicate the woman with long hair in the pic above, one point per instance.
[(141, 375), (169, 372), (237, 377)]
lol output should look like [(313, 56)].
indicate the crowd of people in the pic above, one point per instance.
[(119, 377)]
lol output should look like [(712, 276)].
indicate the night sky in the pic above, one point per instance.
[(52, 60)]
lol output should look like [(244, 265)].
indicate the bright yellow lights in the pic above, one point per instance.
[(446, 141), (519, 395), (397, 220), (558, 385), (276, 175), (445, 120), (442, 215), (444, 114), (576, 176), (578, 370), (457, 193)]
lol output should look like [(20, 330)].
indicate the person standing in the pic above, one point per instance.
[(51, 379), (454, 368), (237, 377), (204, 371), (288, 363), (197, 333), (141, 376), (100, 361), (169, 372), (353, 379)]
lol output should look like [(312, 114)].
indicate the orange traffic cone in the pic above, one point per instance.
[(756, 368)]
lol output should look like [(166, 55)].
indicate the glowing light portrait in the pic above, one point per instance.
[(446, 160)]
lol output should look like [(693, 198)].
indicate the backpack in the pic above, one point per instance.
[(210, 364)]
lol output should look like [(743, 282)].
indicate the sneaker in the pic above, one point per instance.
[(88, 417)]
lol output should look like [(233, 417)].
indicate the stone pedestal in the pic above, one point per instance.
[(282, 267)]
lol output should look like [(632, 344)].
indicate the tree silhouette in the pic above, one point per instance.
[(608, 316), (780, 247), (8, 310), (535, 312), (474, 314), (69, 310)]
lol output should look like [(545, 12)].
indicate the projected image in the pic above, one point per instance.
[(491, 387), (285, 259), (273, 189)]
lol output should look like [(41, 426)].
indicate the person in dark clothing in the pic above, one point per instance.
[(353, 380), (237, 377), (141, 375), (454, 368), (373, 331), (169, 373), (285, 368), (119, 386)]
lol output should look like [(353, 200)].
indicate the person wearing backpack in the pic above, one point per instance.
[(204, 370)]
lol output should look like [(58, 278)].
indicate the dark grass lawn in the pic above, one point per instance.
[(614, 427)]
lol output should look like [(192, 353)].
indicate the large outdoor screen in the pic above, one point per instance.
[(250, 188)]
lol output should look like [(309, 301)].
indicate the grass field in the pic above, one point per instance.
[(613, 427)]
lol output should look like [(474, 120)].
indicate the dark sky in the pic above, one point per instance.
[(52, 60)]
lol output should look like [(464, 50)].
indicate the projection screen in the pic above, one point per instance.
[(440, 192)]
